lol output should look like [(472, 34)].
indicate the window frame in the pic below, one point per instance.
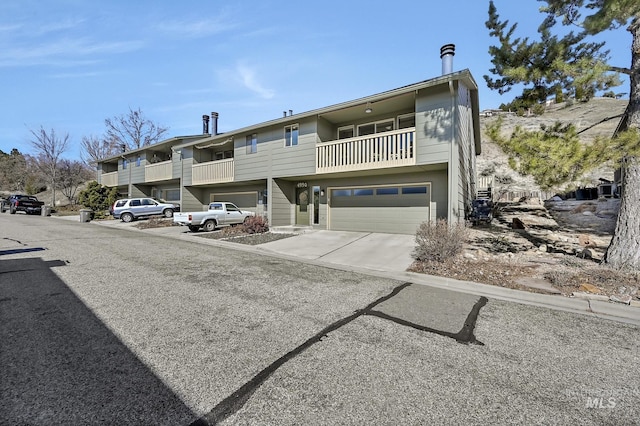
[(375, 125), (293, 139), (405, 116), (342, 128), (252, 143)]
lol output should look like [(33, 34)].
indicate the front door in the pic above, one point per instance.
[(302, 205)]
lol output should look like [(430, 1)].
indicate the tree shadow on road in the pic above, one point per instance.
[(62, 365)]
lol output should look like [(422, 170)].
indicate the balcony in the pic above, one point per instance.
[(220, 171), (376, 151), (158, 171), (109, 179)]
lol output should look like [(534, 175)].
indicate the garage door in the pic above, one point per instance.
[(244, 200), (391, 209)]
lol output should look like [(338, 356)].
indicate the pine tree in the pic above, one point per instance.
[(580, 69)]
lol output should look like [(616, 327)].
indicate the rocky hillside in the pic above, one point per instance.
[(598, 117)]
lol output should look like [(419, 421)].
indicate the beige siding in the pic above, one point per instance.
[(434, 131), (192, 200), (281, 202), (273, 157), (466, 149), (256, 165)]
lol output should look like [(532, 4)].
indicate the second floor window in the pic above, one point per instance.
[(252, 143), (125, 163), (291, 135)]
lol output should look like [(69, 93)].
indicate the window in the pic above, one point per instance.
[(378, 127), (134, 203), (366, 191), (414, 190), (148, 202), (387, 191), (219, 155), (366, 129), (291, 135), (138, 159), (345, 132), (125, 163), (341, 192), (406, 121), (252, 143)]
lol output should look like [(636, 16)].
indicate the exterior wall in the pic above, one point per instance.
[(255, 165), (273, 157), (192, 200), (466, 151), (186, 168), (434, 126), (326, 130), (437, 178), (282, 202)]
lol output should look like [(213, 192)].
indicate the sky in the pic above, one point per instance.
[(68, 65)]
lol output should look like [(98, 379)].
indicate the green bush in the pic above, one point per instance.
[(255, 225), (97, 198), (438, 241)]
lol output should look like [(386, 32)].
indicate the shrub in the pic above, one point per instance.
[(97, 197), (438, 241), (255, 225)]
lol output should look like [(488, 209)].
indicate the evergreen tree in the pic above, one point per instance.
[(580, 69)]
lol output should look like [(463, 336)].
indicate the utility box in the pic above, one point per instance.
[(85, 215), (45, 210)]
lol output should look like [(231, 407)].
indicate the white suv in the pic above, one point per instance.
[(129, 209)]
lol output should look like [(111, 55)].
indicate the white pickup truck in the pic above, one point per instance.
[(219, 214)]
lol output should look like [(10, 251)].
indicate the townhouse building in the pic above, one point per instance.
[(382, 163)]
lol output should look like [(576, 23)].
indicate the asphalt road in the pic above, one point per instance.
[(102, 325)]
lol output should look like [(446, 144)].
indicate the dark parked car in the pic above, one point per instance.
[(22, 203)]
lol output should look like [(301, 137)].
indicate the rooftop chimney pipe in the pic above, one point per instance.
[(214, 123), (446, 54), (205, 124)]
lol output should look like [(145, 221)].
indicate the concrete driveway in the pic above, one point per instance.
[(378, 252)]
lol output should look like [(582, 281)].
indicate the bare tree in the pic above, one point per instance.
[(96, 148), (71, 175), (48, 148), (133, 130)]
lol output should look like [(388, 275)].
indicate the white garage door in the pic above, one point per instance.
[(390, 209)]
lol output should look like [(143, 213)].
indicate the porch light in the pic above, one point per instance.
[(369, 109)]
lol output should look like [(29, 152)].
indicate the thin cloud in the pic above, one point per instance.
[(248, 78), (64, 52), (195, 29)]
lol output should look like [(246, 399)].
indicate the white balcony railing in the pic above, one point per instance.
[(213, 172), (109, 179), (380, 150), (158, 171)]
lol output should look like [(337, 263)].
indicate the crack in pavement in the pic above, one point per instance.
[(234, 402), (465, 335)]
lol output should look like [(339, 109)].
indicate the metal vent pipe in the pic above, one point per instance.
[(446, 54)]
